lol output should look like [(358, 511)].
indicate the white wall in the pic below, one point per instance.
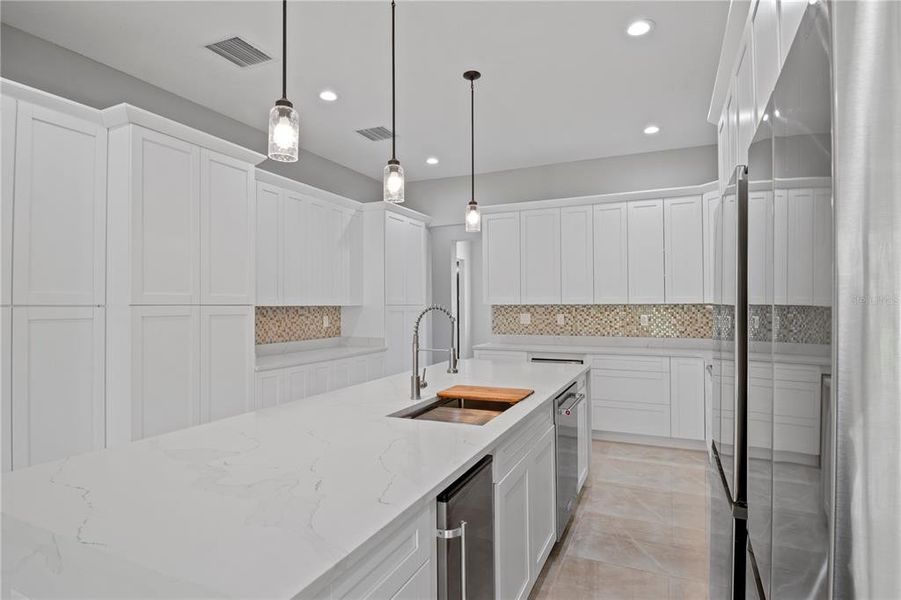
[(445, 199), (40, 64)]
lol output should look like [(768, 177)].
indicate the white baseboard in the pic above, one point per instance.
[(649, 440)]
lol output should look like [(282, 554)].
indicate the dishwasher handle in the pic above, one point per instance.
[(460, 532), (566, 409)]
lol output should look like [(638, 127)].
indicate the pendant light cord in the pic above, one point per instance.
[(393, 91), (472, 137), (284, 49)]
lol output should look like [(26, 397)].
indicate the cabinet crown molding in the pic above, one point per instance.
[(306, 189), (127, 114), (38, 97), (401, 210)]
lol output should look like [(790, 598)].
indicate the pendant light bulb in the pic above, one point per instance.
[(393, 179), (284, 121), (473, 218)]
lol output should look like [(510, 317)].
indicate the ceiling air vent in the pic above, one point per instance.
[(375, 134), (239, 52)]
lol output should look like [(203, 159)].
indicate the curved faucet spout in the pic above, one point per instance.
[(417, 382)]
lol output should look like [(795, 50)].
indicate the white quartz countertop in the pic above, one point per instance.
[(261, 505), (293, 354), (810, 354)]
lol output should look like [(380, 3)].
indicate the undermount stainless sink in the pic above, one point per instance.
[(454, 410)]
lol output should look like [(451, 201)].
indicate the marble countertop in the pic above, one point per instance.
[(263, 505), (279, 356), (811, 354)]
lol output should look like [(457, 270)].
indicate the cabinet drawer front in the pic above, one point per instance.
[(628, 417), (630, 386), (392, 562), (518, 443), (627, 362), (797, 373)]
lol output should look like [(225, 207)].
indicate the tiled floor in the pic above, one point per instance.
[(639, 532)]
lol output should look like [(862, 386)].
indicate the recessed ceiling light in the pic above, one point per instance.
[(651, 130), (640, 27), (431, 160), (328, 95)]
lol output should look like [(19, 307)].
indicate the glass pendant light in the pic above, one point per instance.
[(393, 182), (284, 121), (473, 219)]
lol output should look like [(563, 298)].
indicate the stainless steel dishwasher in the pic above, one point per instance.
[(566, 421), (466, 536)]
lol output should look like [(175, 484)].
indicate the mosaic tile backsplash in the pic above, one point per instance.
[(278, 324), (796, 324)]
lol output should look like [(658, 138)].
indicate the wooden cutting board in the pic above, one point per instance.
[(493, 394)]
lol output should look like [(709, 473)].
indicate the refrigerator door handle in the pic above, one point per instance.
[(458, 532)]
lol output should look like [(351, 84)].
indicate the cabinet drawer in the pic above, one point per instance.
[(630, 386), (391, 563), (518, 442), (631, 417), (631, 363)]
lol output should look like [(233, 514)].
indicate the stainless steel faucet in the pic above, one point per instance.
[(417, 382)]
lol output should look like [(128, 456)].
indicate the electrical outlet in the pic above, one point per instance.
[(645, 320), (525, 318), (325, 322), (561, 319), (755, 321)]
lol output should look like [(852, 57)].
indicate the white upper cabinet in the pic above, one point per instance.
[(295, 272), (646, 270), (760, 247), (501, 258), (58, 383), (540, 256), (684, 241), (780, 246), (405, 260), (415, 252), (728, 274), (611, 253), (60, 208), (165, 219), (577, 255), (711, 203), (822, 247), (269, 234), (7, 164), (799, 275), (227, 361), (227, 230)]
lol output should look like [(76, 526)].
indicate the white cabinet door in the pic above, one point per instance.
[(165, 369), (646, 284), (319, 257), (396, 340), (339, 376), (683, 230), (58, 406), (297, 383), (540, 256), (269, 240), (375, 366), (577, 254), (542, 501), (320, 375), (227, 359), (227, 229), (611, 253), (799, 274), (357, 368), (342, 294), (296, 261), (333, 257), (729, 250), (711, 204), (501, 258), (780, 246), (584, 436), (395, 259), (355, 249), (60, 209), (822, 247), (415, 272), (6, 365), (687, 398), (165, 220), (511, 533), (7, 188), (760, 247), (269, 388)]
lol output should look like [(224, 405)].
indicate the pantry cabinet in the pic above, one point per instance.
[(540, 256), (226, 358), (684, 250), (405, 260), (646, 260), (60, 208), (57, 382), (577, 254), (611, 253), (501, 258)]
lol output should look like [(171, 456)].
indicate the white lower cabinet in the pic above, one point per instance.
[(511, 524), (269, 389), (542, 501), (57, 396), (297, 383), (320, 376), (687, 398), (227, 357), (631, 395)]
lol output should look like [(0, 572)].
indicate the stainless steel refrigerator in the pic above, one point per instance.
[(824, 168)]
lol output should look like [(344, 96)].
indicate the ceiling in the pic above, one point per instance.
[(561, 80)]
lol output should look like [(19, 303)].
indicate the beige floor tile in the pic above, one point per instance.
[(686, 589), (580, 578), (649, 453)]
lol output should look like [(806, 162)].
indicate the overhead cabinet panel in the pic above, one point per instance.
[(269, 240), (395, 259), (577, 254), (540, 253), (711, 216), (501, 258), (60, 208), (227, 229), (7, 165), (799, 277), (611, 253), (646, 263), (415, 253), (297, 280), (684, 261), (165, 220)]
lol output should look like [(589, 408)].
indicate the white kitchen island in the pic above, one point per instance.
[(276, 503)]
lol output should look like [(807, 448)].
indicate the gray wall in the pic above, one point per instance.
[(445, 199), (40, 64)]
